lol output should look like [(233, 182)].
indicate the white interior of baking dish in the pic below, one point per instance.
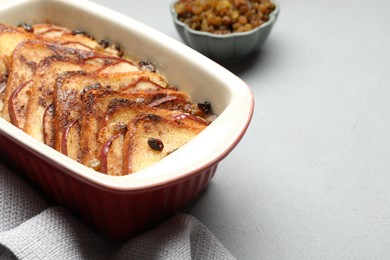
[(202, 78)]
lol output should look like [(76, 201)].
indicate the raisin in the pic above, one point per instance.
[(118, 49), (155, 144), (27, 27), (94, 164), (224, 16), (147, 65), (90, 87), (75, 32), (104, 43), (205, 107), (120, 128), (81, 32), (153, 117)]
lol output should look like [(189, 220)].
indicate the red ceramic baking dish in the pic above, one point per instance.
[(123, 206)]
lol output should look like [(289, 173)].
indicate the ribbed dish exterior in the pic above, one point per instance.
[(116, 214)]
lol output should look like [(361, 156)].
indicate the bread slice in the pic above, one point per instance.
[(114, 126), (41, 95), (45, 74), (100, 103), (59, 34), (151, 137), (55, 33), (108, 147), (23, 62), (68, 103), (26, 59), (102, 118), (12, 36), (103, 109), (96, 101)]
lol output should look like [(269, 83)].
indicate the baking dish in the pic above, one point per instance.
[(121, 207)]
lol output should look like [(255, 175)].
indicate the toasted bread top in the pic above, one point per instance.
[(150, 138), (27, 56), (41, 91), (82, 98)]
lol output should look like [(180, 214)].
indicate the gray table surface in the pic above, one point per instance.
[(311, 178)]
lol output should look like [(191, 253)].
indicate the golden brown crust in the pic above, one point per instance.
[(41, 91), (137, 151)]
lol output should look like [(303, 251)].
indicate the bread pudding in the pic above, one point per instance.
[(85, 99)]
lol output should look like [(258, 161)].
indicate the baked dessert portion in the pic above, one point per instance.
[(89, 102)]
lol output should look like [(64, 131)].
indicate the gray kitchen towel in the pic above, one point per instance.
[(30, 228)]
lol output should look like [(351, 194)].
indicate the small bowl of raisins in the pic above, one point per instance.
[(224, 29)]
